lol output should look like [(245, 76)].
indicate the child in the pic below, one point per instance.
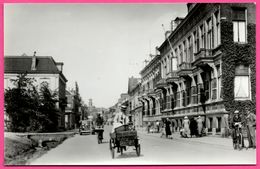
[(162, 131)]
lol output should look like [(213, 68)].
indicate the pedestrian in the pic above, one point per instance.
[(167, 128), (200, 125), (251, 125), (186, 126), (157, 126), (235, 120), (148, 127), (193, 127), (162, 130)]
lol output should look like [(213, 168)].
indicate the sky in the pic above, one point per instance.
[(101, 45)]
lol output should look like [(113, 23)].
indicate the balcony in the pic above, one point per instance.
[(161, 83), (172, 77), (203, 57), (184, 69)]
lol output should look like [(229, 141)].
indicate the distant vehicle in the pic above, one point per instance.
[(87, 127)]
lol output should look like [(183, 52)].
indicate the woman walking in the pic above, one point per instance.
[(167, 128)]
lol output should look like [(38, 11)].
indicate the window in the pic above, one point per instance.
[(168, 64), (196, 41), (165, 68), (44, 81), (6, 83), (239, 25), (216, 26), (174, 64), (209, 34), (177, 56), (188, 91), (206, 78), (190, 58), (202, 36), (242, 83), (181, 53), (219, 85), (195, 91), (185, 51)]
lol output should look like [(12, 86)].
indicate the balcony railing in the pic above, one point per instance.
[(203, 53), (172, 74), (161, 83), (185, 66)]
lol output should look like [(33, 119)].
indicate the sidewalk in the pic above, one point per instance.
[(213, 140)]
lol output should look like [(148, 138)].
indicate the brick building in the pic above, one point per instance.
[(208, 70)]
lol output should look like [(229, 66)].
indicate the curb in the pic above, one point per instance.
[(189, 140)]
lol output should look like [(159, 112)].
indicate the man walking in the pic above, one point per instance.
[(251, 124)]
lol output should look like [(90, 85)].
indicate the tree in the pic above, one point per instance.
[(48, 113), (77, 103), (21, 103)]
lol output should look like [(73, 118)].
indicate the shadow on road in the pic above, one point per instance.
[(128, 155)]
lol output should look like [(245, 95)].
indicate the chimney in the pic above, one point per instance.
[(167, 34), (157, 52), (33, 66), (190, 6), (177, 21), (59, 66), (173, 26)]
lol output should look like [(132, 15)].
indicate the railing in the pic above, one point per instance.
[(185, 66), (203, 53), (161, 82), (172, 74)]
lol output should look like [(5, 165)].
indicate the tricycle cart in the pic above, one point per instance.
[(122, 138)]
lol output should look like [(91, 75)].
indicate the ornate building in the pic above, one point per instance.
[(206, 67)]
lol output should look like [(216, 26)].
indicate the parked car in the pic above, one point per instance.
[(87, 127)]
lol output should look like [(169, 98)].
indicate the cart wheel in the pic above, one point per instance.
[(121, 150), (113, 153), (138, 149)]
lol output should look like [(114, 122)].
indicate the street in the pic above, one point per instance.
[(84, 150)]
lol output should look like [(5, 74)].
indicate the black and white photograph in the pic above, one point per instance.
[(129, 84)]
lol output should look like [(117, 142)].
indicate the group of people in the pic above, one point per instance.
[(248, 121), (192, 127)]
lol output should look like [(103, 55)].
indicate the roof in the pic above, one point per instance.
[(175, 31), (22, 64)]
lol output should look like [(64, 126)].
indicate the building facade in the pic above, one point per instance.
[(206, 67), (135, 108), (42, 69), (150, 93)]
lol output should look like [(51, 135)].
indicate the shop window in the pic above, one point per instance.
[(242, 83)]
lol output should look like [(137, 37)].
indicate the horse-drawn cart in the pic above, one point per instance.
[(123, 137)]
